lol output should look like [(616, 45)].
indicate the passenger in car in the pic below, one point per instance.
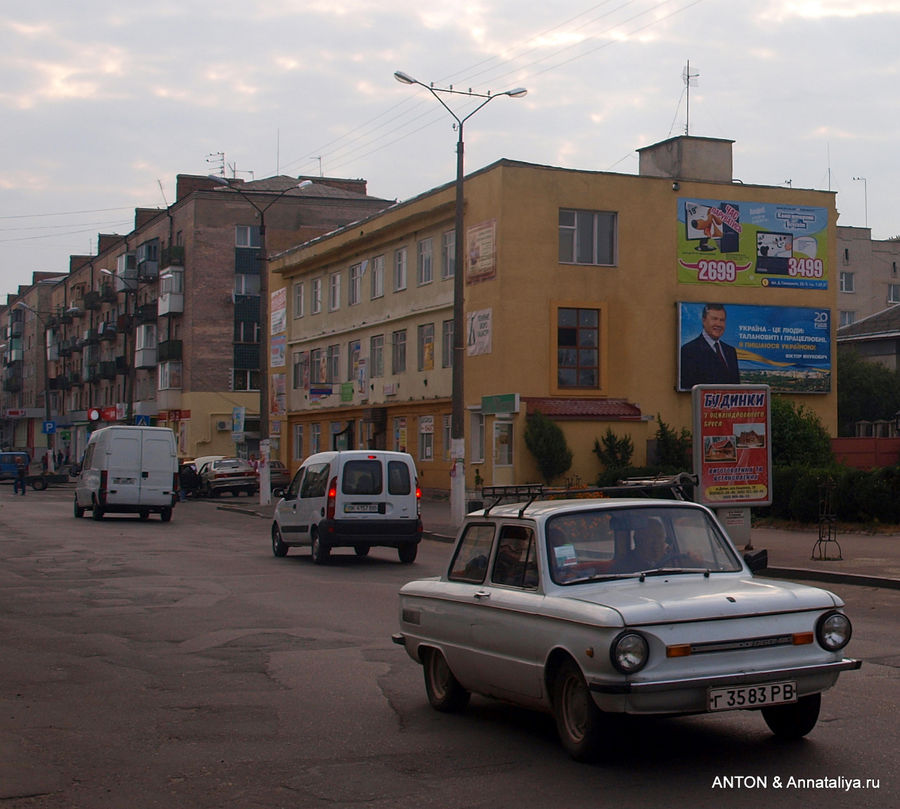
[(649, 548)]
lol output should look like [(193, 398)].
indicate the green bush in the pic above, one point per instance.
[(547, 443)]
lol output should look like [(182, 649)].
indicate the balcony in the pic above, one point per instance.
[(146, 313), (76, 310), (108, 331), (108, 369), (75, 379), (173, 256), (64, 315), (108, 294), (145, 358), (16, 329), (92, 300), (169, 350), (13, 384), (170, 303), (91, 372), (121, 365), (148, 270), (65, 348)]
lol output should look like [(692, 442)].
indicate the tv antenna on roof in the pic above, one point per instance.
[(690, 80)]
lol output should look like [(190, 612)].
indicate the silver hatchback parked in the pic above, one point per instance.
[(233, 475)]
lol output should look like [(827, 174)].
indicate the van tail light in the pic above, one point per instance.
[(418, 498), (101, 492), (332, 499)]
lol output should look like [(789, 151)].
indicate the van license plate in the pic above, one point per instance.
[(751, 696), (361, 508)]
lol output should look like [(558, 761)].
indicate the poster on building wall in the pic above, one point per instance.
[(278, 351), (278, 395), (481, 252), (732, 445), (757, 244), (785, 347), (278, 311), (478, 332)]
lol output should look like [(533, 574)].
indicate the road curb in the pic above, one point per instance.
[(807, 574)]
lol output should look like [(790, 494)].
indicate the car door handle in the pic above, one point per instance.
[(482, 594)]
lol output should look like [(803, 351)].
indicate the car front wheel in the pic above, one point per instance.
[(794, 720), (578, 720), (79, 511), (444, 691)]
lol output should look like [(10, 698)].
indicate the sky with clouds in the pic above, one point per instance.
[(103, 103)]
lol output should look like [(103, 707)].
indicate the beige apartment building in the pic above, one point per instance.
[(868, 274), (582, 291)]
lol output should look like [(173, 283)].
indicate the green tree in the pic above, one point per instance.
[(546, 442), (866, 391), (614, 452), (798, 437), (674, 451)]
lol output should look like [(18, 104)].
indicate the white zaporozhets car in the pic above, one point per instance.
[(638, 606)]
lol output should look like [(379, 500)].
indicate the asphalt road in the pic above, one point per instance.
[(180, 665)]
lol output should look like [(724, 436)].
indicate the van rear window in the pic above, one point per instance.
[(399, 481), (362, 477)]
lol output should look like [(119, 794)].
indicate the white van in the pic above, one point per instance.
[(128, 469), (354, 499)]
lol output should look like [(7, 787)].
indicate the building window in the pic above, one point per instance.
[(246, 236), (847, 282), (426, 438), (299, 292), (353, 348), (847, 318), (298, 442), (447, 344), (245, 284), (315, 438), (333, 370), (376, 356), (476, 434), (587, 237), (578, 348), (354, 293), (334, 292), (425, 343), (315, 305), (893, 293), (399, 269), (246, 331), (846, 255), (448, 254), (317, 370), (398, 352), (244, 379), (300, 370), (378, 277), (424, 271)]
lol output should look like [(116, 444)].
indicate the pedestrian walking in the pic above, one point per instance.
[(21, 473)]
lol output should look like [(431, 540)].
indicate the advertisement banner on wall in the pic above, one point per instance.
[(785, 347), (732, 445), (278, 311), (757, 244)]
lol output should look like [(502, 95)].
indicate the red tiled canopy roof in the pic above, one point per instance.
[(604, 409)]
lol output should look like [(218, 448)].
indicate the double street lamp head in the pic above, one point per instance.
[(405, 78)]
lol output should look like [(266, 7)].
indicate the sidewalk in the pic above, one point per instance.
[(871, 560)]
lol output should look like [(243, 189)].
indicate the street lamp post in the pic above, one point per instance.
[(457, 412), (265, 494), (48, 416)]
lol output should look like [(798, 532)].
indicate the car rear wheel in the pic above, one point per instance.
[(320, 551), (444, 691), (578, 720), (278, 547), (408, 552), (362, 550), (144, 514), (166, 514), (78, 510), (794, 720)]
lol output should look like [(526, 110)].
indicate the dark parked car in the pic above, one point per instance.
[(279, 477)]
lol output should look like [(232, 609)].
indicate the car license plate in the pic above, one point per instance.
[(361, 508), (751, 696)]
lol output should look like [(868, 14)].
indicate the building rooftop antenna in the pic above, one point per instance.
[(690, 80), (217, 160)]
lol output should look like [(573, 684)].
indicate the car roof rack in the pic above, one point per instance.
[(679, 485)]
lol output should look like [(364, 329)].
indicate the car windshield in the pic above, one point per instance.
[(624, 542)]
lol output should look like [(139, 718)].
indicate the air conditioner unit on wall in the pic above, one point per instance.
[(223, 425)]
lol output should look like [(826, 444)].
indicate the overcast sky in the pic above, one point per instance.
[(103, 103)]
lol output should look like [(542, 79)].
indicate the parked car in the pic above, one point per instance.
[(353, 499), (233, 475), (279, 477), (591, 607)]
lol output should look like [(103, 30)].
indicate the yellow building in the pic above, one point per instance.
[(580, 289)]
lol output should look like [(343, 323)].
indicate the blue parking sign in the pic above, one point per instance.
[(48, 428)]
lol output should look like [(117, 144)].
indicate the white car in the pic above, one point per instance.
[(588, 607)]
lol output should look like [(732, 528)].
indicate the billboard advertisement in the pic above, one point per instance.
[(755, 244), (732, 445), (787, 348)]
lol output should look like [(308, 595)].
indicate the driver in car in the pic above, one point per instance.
[(649, 548)]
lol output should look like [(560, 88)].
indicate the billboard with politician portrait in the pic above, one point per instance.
[(787, 348)]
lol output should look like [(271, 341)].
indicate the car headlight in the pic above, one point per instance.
[(629, 652), (833, 631)]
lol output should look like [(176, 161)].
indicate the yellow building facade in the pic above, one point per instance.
[(580, 289)]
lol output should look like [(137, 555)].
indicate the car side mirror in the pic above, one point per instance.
[(757, 560)]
